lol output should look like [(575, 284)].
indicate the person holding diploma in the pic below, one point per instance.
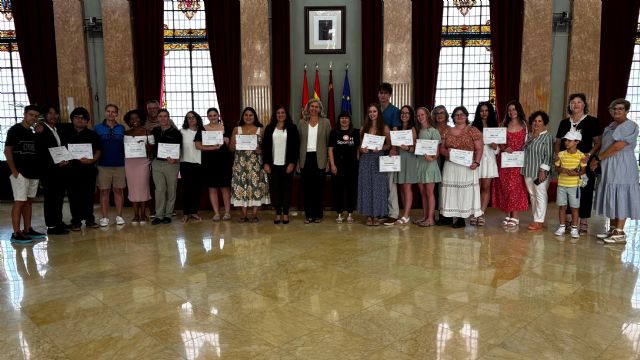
[(314, 130), (440, 117), (111, 172), (281, 148), (408, 174), (538, 159), (485, 118), (216, 165), (190, 168), (373, 185), (509, 190), (580, 120), (82, 173), (165, 169), (137, 169), (428, 169), (460, 184), (343, 158), (249, 183)]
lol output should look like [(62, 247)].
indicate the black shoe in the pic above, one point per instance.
[(458, 223), (443, 221), (156, 221), (166, 220), (57, 230), (77, 227), (20, 238), (34, 234), (66, 226), (93, 225)]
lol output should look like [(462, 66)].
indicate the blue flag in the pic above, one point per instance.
[(346, 93)]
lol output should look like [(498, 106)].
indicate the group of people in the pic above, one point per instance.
[(251, 165)]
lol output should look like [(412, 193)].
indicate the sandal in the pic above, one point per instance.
[(243, 219), (480, 220), (418, 221), (308, 220), (349, 219), (226, 217), (317, 220), (403, 220), (339, 219), (185, 219), (584, 228), (506, 221), (216, 217), (425, 224), (513, 222), (369, 221), (473, 220), (254, 220), (195, 217)]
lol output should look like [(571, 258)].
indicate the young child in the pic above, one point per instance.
[(571, 164)]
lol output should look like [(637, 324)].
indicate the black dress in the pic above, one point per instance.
[(216, 164)]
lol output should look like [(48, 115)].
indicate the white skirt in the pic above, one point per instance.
[(488, 168), (460, 191)]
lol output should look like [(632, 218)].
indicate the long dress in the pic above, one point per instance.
[(137, 174), (373, 186), (249, 183), (428, 171), (408, 173), (618, 193), (509, 192)]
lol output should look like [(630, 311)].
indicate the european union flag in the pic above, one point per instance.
[(346, 93)]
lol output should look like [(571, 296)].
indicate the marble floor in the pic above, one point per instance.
[(321, 291)]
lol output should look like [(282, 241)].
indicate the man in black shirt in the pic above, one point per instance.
[(22, 158)]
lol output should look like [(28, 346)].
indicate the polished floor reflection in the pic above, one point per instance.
[(320, 291)]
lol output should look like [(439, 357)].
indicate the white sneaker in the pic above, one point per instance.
[(339, 219), (119, 220), (561, 230), (575, 234), (104, 222)]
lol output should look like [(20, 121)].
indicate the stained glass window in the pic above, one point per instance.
[(465, 72), (13, 92), (188, 78)]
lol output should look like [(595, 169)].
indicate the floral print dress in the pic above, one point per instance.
[(249, 183)]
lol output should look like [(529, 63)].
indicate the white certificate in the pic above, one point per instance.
[(246, 142), (461, 157), (135, 150), (81, 151), (212, 138), (402, 137), (59, 154), (166, 151), (372, 142), (389, 163), (426, 147), (497, 135), (513, 160)]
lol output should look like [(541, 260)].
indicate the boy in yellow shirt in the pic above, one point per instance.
[(571, 165)]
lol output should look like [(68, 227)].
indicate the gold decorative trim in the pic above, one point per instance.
[(8, 48), (464, 6), (185, 33), (466, 43)]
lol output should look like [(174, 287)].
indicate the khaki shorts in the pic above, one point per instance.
[(111, 176), (23, 187)]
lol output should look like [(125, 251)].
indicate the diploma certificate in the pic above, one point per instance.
[(401, 137), (372, 142), (166, 151), (513, 160), (60, 154), (494, 135), (135, 150), (81, 151), (246, 142), (212, 138), (461, 157), (389, 163), (426, 147)]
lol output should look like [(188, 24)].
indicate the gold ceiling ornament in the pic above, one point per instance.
[(189, 7), (5, 9), (464, 6)]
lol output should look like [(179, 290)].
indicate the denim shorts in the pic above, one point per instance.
[(569, 195)]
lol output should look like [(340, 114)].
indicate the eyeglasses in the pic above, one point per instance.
[(618, 108), (459, 114)]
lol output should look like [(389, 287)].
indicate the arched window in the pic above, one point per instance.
[(633, 89), (187, 77), (465, 72), (13, 92)]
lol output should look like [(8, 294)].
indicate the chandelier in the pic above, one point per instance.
[(189, 7), (5, 9), (464, 6)]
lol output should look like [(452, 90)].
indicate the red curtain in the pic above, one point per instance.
[(148, 43), (372, 21), (280, 53), (426, 28), (37, 47), (619, 22), (507, 19), (223, 29)]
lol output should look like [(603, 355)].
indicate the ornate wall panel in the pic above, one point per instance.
[(256, 55), (535, 76), (71, 49), (396, 55)]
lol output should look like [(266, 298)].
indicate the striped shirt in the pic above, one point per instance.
[(538, 154), (570, 162)]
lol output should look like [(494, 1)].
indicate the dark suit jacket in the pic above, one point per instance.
[(293, 145)]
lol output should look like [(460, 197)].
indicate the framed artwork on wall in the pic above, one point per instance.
[(325, 29)]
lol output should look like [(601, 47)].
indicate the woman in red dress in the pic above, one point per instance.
[(509, 190)]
